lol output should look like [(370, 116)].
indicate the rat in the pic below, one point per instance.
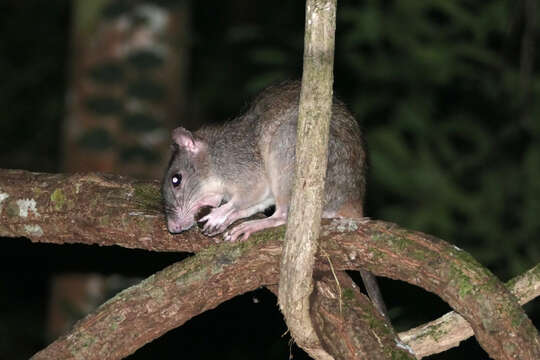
[(246, 165)]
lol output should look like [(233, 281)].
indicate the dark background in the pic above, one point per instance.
[(442, 89)]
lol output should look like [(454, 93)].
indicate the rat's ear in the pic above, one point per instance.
[(185, 139)]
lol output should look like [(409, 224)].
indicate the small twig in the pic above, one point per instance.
[(325, 254)]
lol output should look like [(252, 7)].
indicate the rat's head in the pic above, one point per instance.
[(186, 185)]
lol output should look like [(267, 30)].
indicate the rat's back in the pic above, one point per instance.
[(273, 117)]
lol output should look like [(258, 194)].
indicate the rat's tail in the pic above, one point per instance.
[(370, 282)]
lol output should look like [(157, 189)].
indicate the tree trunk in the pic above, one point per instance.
[(126, 86)]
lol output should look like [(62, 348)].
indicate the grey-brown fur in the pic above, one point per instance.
[(250, 160), (243, 166)]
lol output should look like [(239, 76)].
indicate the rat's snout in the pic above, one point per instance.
[(176, 226)]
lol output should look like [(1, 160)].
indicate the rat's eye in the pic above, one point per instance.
[(176, 179)]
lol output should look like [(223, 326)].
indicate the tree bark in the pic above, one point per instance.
[(301, 239), (340, 305), (108, 210), (348, 325), (171, 297), (450, 329), (91, 209)]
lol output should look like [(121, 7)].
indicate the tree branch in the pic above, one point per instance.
[(340, 305), (348, 325), (451, 273), (450, 329), (96, 209), (170, 297), (91, 208), (166, 300)]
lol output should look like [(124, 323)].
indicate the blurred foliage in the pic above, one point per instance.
[(454, 146)]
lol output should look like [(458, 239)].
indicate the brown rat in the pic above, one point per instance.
[(244, 166)]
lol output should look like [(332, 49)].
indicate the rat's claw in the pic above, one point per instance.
[(204, 218), (212, 230), (229, 236), (207, 228), (233, 234)]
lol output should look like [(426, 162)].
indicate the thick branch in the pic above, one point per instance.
[(95, 209), (166, 300), (169, 298), (235, 269), (92, 209), (451, 273), (348, 325), (450, 329), (304, 220)]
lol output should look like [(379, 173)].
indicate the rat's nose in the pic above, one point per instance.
[(174, 228), (177, 226)]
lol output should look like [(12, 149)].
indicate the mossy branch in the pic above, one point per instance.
[(450, 329), (103, 209)]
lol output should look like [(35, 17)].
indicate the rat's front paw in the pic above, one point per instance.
[(216, 221)]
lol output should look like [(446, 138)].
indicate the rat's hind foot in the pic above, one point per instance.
[(245, 229)]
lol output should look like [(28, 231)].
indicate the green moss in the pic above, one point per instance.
[(492, 285), (469, 263), (347, 294), (517, 316), (58, 199), (509, 347), (95, 203), (84, 341), (401, 355), (469, 260), (377, 255), (268, 235), (465, 286), (219, 256), (147, 196), (436, 333), (402, 244), (462, 281), (114, 326), (420, 254), (12, 209), (37, 192), (104, 220)]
